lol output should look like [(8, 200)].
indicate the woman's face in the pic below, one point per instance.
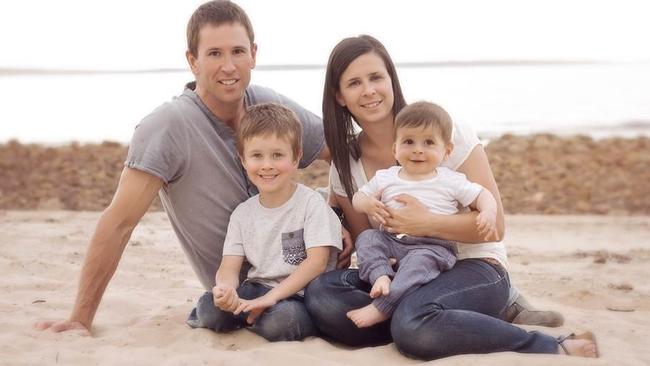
[(366, 89)]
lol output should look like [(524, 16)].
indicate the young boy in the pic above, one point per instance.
[(287, 233), (422, 141)]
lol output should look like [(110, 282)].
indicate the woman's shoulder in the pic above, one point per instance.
[(464, 139)]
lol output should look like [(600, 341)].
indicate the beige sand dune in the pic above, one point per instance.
[(594, 269)]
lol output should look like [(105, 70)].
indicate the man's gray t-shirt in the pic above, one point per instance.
[(275, 240), (194, 154)]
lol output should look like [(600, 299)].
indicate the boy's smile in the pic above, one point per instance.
[(270, 164)]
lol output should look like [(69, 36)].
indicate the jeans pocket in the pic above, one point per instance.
[(293, 247)]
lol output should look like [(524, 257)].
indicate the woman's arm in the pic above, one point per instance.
[(415, 219), (357, 222)]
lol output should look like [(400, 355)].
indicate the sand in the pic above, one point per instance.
[(593, 269)]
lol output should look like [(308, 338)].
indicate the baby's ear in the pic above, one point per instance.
[(448, 149)]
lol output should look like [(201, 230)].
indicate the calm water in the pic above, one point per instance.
[(600, 100)]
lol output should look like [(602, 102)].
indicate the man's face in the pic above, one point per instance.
[(223, 64)]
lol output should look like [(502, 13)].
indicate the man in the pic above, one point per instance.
[(186, 150)]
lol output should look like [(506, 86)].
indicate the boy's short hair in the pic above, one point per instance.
[(425, 115), (268, 119), (216, 13)]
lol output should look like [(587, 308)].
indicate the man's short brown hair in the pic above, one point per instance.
[(216, 12), (270, 119), (425, 115)]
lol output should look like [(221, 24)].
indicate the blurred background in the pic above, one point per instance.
[(89, 71)]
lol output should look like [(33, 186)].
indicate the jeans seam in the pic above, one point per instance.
[(501, 278)]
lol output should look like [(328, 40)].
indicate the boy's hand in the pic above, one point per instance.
[(348, 247), (486, 223), (225, 298), (377, 210), (255, 307)]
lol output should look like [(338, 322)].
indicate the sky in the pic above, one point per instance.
[(148, 34)]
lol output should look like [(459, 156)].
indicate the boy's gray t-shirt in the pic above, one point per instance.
[(274, 240), (194, 154)]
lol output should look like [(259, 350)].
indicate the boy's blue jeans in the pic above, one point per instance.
[(288, 320), (457, 313)]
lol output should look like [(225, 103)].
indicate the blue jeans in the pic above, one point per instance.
[(457, 313), (288, 320)]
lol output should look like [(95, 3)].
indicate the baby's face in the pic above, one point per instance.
[(420, 150)]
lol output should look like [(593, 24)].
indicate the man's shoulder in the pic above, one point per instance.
[(258, 94), (170, 113)]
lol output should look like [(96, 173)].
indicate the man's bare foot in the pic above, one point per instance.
[(367, 316), (381, 287), (582, 345)]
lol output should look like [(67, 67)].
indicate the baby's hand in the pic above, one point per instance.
[(377, 210), (225, 298), (486, 223)]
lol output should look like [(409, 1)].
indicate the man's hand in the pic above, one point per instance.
[(255, 307), (345, 254), (225, 298), (62, 326), (406, 220)]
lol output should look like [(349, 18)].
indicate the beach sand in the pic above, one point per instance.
[(593, 269)]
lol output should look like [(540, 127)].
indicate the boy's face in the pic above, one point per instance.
[(420, 150), (269, 163), (223, 64)]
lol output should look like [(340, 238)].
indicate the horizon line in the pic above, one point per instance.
[(11, 71)]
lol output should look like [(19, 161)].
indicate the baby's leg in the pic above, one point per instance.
[(373, 253)]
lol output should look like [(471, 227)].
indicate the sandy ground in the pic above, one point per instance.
[(592, 268)]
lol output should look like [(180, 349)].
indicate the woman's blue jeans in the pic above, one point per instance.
[(457, 313), (288, 320)]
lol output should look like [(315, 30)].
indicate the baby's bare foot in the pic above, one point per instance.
[(366, 316), (381, 287)]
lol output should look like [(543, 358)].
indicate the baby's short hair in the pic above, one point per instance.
[(425, 115), (268, 119)]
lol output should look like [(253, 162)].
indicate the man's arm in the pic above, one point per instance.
[(135, 192)]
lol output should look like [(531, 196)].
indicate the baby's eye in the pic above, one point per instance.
[(429, 142), (408, 142)]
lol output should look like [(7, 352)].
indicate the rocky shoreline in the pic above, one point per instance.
[(538, 174)]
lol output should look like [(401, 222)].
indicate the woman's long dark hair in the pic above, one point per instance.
[(339, 129)]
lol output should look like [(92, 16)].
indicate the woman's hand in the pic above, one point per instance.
[(410, 219)]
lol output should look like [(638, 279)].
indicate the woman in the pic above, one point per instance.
[(459, 312)]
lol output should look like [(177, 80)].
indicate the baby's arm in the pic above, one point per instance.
[(486, 221), (371, 206), (310, 268), (226, 283)]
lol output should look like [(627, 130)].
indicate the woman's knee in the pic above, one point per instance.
[(415, 340)]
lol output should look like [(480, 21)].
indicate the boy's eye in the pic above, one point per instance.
[(256, 155), (277, 155)]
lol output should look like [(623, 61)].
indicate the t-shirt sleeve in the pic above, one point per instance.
[(374, 185), (234, 242), (465, 191), (157, 145), (313, 137), (322, 227), (465, 139)]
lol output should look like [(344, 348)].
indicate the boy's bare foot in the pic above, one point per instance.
[(582, 345), (366, 316), (381, 287)]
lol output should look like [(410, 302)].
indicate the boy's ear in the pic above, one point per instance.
[(296, 161)]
